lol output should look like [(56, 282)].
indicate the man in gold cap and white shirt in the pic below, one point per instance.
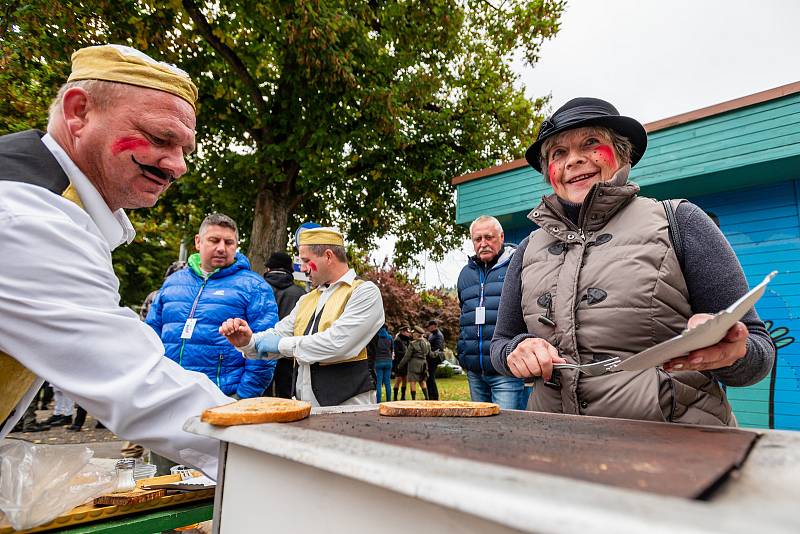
[(117, 137), (328, 330)]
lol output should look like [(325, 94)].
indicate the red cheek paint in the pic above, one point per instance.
[(551, 170), (128, 143), (312, 266), (606, 153)]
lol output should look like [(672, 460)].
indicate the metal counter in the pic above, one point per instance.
[(351, 470)]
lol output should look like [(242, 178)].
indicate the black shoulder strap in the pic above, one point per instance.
[(674, 232)]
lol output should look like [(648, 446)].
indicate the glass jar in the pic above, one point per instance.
[(125, 481)]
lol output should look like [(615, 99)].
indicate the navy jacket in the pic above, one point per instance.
[(233, 291), (476, 285)]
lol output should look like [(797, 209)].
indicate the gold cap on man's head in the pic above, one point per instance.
[(123, 64), (321, 236)]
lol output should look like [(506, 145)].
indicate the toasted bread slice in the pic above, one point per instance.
[(438, 409), (257, 410)]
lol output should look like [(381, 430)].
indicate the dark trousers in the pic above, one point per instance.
[(80, 417), (46, 395), (433, 390), (281, 385), (29, 417)]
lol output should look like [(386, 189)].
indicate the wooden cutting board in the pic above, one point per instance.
[(139, 495), (135, 496), (438, 409)]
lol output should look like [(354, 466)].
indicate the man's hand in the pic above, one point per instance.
[(237, 331), (732, 348), (534, 357)]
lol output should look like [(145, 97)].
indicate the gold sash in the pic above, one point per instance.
[(333, 309)]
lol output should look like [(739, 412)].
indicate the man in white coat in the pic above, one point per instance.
[(328, 330), (117, 137)]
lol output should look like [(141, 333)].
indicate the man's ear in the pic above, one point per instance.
[(197, 242), (75, 107)]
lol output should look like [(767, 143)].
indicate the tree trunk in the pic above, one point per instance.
[(269, 227)]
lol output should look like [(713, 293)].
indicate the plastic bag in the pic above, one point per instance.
[(40, 482)]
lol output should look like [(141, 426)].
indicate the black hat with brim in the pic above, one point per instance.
[(583, 112)]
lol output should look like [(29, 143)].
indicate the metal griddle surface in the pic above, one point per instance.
[(667, 459)]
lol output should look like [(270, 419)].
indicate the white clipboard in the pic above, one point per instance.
[(709, 333)]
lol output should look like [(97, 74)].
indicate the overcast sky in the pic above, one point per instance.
[(655, 59)]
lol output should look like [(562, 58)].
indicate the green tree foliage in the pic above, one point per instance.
[(351, 113)]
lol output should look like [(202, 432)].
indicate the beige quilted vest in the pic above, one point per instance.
[(612, 288)]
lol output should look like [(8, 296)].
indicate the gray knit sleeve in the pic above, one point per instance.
[(715, 280), (510, 328)]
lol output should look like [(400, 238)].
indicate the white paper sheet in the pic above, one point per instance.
[(709, 333)]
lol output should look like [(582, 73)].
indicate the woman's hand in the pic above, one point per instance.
[(732, 348), (533, 357)]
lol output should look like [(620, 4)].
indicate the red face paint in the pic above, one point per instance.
[(128, 143), (551, 170), (606, 153), (312, 266)]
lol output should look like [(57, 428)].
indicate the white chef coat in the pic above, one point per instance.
[(59, 304), (347, 336)]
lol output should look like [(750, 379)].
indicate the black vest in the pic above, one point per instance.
[(24, 158)]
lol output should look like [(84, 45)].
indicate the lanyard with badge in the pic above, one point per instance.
[(191, 322), (480, 311)]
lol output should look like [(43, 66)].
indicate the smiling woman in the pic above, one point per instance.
[(602, 278)]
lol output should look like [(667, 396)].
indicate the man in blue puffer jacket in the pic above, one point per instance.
[(479, 286), (193, 302)]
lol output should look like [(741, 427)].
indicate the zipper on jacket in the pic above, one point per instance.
[(191, 315), (219, 370), (587, 203), (482, 279)]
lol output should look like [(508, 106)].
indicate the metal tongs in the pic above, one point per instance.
[(591, 369)]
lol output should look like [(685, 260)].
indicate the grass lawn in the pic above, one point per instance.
[(453, 388)]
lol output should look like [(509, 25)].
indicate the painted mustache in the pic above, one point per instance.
[(155, 171)]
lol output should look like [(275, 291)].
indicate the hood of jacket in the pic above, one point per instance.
[(279, 279), (505, 257)]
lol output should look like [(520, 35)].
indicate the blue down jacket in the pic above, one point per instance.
[(476, 283), (233, 291)]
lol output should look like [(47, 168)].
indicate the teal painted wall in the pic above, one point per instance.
[(509, 193), (746, 137), (763, 226), (742, 148)]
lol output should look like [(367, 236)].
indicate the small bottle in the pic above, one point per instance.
[(125, 481)]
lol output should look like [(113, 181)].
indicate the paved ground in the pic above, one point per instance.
[(102, 441)]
